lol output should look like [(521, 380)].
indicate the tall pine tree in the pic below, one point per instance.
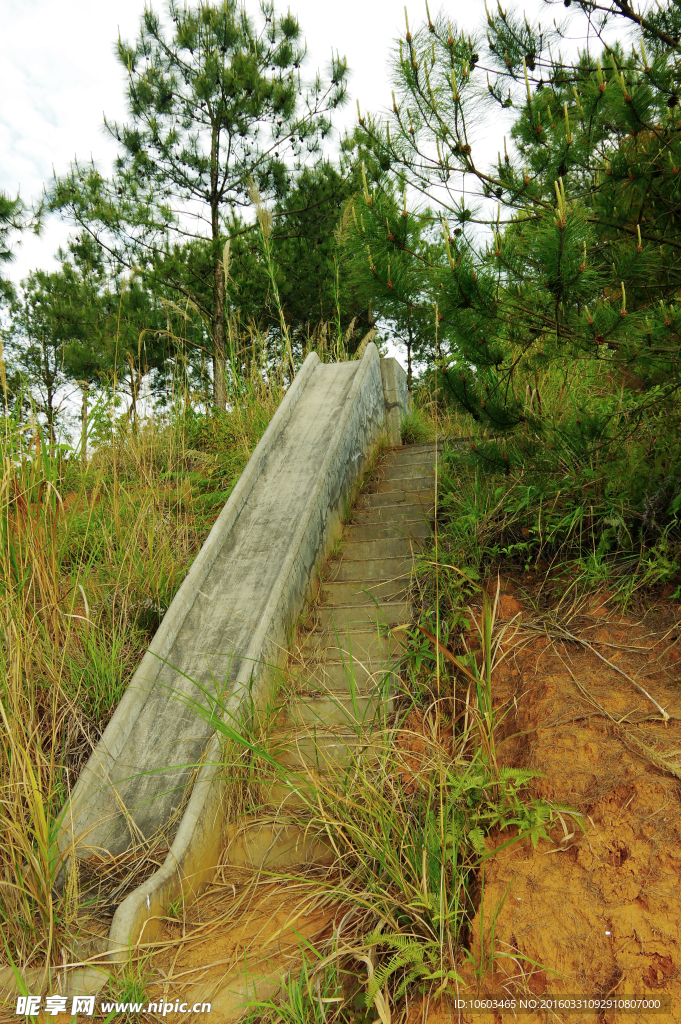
[(564, 254), (215, 103)]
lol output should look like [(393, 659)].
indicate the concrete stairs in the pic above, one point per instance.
[(155, 778), (345, 665)]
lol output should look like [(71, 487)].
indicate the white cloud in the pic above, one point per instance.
[(57, 75)]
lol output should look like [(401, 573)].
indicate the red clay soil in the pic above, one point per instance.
[(233, 932), (598, 907)]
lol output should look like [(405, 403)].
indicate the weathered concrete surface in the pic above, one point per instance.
[(93, 814), (229, 622), (396, 398)]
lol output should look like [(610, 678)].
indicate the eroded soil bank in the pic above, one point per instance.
[(598, 905)]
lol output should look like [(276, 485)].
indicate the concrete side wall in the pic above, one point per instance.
[(222, 638), (84, 809), (357, 426), (395, 396)]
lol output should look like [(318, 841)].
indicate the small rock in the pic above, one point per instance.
[(86, 981)]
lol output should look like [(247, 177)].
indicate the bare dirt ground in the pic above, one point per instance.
[(598, 908), (238, 939)]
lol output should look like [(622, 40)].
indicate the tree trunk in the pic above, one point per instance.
[(219, 391), (133, 393), (50, 415), (83, 427), (409, 346), (133, 405), (49, 379)]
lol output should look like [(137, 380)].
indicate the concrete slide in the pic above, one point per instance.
[(156, 769)]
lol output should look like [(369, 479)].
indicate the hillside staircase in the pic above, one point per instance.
[(344, 665)]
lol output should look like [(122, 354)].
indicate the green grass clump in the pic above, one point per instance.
[(416, 428), (581, 488)]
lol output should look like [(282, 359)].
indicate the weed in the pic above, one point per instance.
[(577, 494), (130, 984), (175, 907), (417, 428), (313, 995), (407, 816)]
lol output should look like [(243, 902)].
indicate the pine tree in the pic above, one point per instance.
[(389, 250), (215, 104), (566, 253), (11, 220), (307, 236), (78, 326)]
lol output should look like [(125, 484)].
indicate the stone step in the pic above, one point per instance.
[(423, 446), (420, 497), (409, 524), (323, 750), (364, 616), (402, 464), (413, 531), (399, 522), (377, 653), (336, 709), (384, 540), (260, 843), (367, 590), (365, 676), (394, 512), (369, 569), (286, 797), (414, 465), (414, 453), (316, 756), (401, 481)]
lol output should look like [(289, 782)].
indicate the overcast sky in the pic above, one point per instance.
[(58, 76)]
